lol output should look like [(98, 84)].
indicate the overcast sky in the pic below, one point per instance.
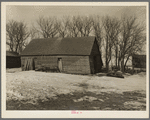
[(29, 14)]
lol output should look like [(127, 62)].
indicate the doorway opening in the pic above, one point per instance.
[(29, 64), (59, 62)]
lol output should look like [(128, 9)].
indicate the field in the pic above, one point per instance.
[(30, 90)]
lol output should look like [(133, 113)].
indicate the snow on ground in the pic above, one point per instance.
[(31, 85), (119, 85)]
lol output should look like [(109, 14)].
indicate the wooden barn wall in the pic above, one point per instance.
[(13, 62), (98, 64), (139, 61), (95, 52), (91, 64), (71, 64), (95, 49)]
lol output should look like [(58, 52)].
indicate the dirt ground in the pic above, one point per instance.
[(31, 90)]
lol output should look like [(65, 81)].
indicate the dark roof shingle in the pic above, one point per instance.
[(60, 46)]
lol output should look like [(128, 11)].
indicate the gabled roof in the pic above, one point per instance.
[(60, 46), (12, 54)]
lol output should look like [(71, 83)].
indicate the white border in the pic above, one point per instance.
[(66, 114), (78, 3)]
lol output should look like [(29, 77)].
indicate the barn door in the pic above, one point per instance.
[(60, 64), (29, 64)]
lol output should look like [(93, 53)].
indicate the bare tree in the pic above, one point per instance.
[(73, 27), (80, 26), (132, 39), (17, 34), (34, 33), (115, 37), (111, 32), (98, 30), (84, 25), (47, 26), (63, 26)]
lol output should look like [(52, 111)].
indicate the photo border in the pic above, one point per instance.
[(59, 113)]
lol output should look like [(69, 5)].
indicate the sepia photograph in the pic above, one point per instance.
[(75, 59)]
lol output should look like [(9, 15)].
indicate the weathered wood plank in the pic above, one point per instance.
[(76, 64)]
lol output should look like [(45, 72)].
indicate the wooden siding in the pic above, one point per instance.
[(95, 49), (71, 64), (91, 64), (98, 64), (139, 61), (13, 62)]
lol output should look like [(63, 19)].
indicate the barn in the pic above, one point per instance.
[(79, 55), (139, 61), (12, 60)]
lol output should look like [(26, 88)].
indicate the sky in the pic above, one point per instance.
[(29, 14)]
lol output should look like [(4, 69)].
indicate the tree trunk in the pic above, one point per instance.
[(106, 61), (122, 64), (126, 62), (116, 56), (107, 66), (118, 63)]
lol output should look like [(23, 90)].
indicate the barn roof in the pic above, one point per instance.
[(60, 46), (10, 53)]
